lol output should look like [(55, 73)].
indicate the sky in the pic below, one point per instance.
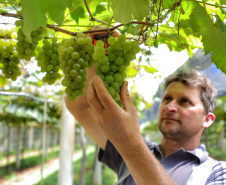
[(166, 63)]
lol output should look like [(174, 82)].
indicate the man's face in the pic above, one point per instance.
[(181, 112)]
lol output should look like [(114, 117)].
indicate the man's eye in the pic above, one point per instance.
[(167, 98), (185, 101)]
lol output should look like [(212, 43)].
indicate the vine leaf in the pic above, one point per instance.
[(126, 10), (35, 13), (214, 40), (99, 9), (79, 12), (56, 9), (221, 23), (2, 81), (223, 2)]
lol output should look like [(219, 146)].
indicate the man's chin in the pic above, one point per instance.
[(170, 132)]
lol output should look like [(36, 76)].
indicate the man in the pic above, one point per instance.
[(186, 110)]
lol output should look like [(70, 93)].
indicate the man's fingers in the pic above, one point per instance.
[(125, 97), (103, 94), (93, 99)]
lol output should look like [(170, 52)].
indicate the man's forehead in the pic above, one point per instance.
[(181, 88)]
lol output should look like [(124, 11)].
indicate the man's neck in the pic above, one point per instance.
[(169, 146)]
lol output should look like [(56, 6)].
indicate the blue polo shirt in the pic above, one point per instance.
[(179, 165)]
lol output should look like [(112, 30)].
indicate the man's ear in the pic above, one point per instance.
[(210, 117)]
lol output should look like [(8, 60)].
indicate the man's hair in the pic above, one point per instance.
[(195, 78), (101, 27)]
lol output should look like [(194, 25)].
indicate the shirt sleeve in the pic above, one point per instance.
[(110, 157), (218, 174)]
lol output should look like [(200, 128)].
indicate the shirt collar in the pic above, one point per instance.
[(199, 152)]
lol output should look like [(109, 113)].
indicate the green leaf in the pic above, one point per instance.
[(187, 6), (168, 4), (222, 25), (134, 29), (57, 8), (3, 11), (223, 2), (34, 15), (126, 10), (2, 81), (99, 9), (131, 71), (77, 13), (214, 40), (150, 69)]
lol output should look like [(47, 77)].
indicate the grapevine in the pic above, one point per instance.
[(75, 57)]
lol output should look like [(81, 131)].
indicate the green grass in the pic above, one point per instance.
[(26, 163), (109, 177)]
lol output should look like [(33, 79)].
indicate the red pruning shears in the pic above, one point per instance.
[(103, 38)]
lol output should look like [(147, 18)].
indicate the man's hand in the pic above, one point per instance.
[(120, 125)]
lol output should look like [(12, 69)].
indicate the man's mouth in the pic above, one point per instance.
[(170, 119)]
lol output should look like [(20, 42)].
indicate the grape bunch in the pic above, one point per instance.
[(75, 57), (112, 62), (48, 60), (25, 48), (8, 54)]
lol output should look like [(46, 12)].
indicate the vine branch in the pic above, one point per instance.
[(170, 10), (75, 33), (218, 6), (91, 15)]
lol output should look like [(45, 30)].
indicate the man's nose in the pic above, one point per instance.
[(171, 106)]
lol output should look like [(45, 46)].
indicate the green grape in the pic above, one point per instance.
[(75, 55), (117, 77), (73, 73), (105, 68), (100, 43), (112, 70), (99, 51), (115, 85), (81, 41), (48, 60), (117, 45), (121, 38), (26, 47), (111, 57), (76, 66), (109, 79), (113, 67), (119, 61), (123, 75), (111, 90), (9, 60), (78, 79), (104, 59), (80, 35), (2, 33), (121, 68), (111, 40), (88, 40), (126, 46)]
